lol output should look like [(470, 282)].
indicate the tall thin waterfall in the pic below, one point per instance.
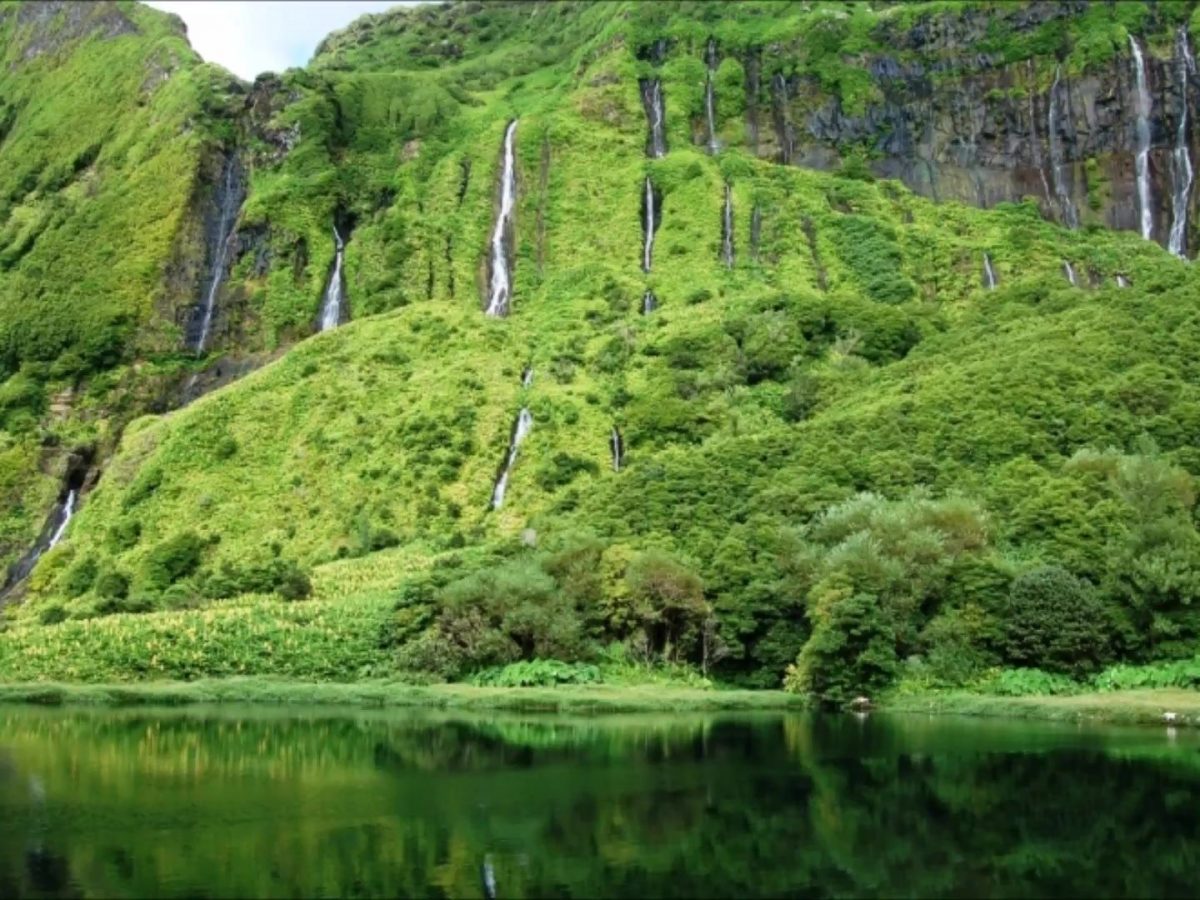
[(649, 303), (1143, 139), (710, 111), (228, 202), (68, 513), (652, 99), (1181, 161), (783, 125), (1065, 205), (500, 293), (989, 274), (527, 377), (1069, 271), (650, 219), (331, 309), (755, 229), (617, 445), (727, 229), (521, 429), (52, 533), (1122, 281), (1035, 145)]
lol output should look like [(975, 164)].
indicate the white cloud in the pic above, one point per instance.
[(248, 38)]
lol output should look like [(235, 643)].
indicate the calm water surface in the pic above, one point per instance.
[(245, 803)]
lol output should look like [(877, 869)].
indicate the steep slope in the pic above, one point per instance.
[(715, 352)]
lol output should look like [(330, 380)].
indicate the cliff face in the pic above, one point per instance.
[(958, 110)]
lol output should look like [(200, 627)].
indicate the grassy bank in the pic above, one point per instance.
[(378, 694), (1131, 707)]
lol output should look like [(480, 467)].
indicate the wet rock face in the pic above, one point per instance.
[(955, 123)]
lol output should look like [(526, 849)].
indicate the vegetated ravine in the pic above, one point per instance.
[(905, 345)]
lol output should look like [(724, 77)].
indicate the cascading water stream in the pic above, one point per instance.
[(710, 112), (1069, 272), (1142, 160), (727, 229), (652, 99), (1122, 281), (1181, 160), (521, 429), (989, 273), (228, 204), (527, 377), (617, 445), (331, 308), (650, 224), (1065, 205), (649, 303), (52, 533), (783, 125), (500, 292)]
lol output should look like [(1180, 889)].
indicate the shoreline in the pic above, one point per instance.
[(1174, 707), (395, 695)]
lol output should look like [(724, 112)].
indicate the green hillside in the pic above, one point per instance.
[(847, 460)]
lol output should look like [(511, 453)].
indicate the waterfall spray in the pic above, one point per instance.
[(989, 273), (229, 203), (331, 309), (618, 449), (1065, 205), (500, 294), (649, 303), (521, 429), (1181, 161), (650, 223), (652, 99), (710, 58), (1069, 271), (1142, 161)]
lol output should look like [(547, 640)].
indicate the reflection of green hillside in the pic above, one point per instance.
[(376, 804)]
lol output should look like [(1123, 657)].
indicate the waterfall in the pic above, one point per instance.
[(1069, 271), (68, 512), (650, 220), (1035, 145), (1181, 162), (1065, 205), (331, 308), (52, 533), (652, 99), (755, 230), (649, 303), (1143, 139), (1122, 281), (727, 229), (228, 202), (500, 294), (989, 274), (710, 57), (521, 429), (618, 449), (527, 377), (783, 126)]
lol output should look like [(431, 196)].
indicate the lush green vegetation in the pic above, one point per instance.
[(847, 463)]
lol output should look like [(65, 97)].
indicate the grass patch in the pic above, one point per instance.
[(1139, 707)]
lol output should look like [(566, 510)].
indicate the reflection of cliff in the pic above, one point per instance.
[(141, 803)]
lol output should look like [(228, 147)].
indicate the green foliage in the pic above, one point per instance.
[(850, 653), (538, 673), (1055, 622)]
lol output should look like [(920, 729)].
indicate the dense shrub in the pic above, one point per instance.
[(851, 652), (1055, 622)]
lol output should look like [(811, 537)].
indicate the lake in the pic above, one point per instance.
[(240, 802)]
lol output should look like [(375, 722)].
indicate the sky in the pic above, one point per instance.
[(266, 36)]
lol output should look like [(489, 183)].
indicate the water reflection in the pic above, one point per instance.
[(220, 803)]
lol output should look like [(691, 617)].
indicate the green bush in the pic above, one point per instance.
[(1056, 623), (851, 652), (175, 558)]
